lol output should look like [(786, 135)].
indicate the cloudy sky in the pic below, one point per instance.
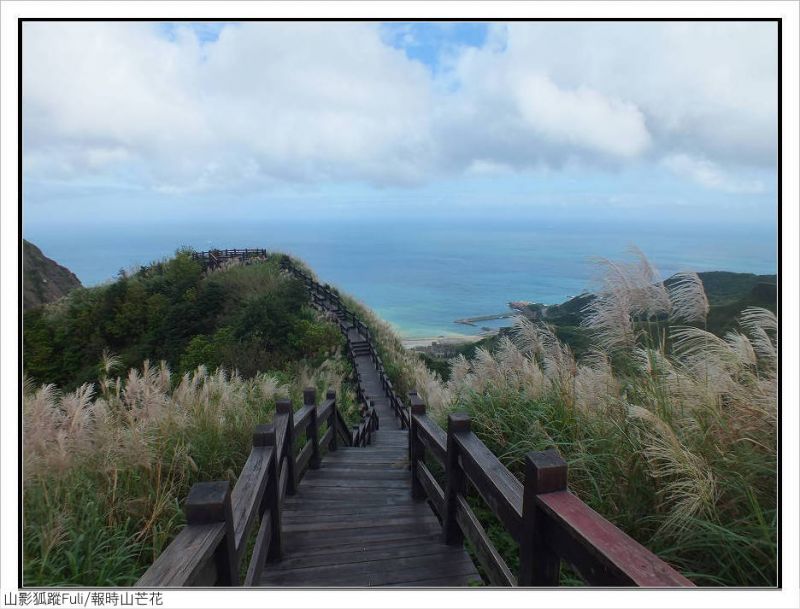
[(157, 119)]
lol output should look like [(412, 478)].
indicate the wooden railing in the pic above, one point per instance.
[(549, 523), (326, 299), (210, 549), (213, 259)]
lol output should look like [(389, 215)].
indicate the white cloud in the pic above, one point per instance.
[(706, 87), (287, 102), (710, 175), (305, 102)]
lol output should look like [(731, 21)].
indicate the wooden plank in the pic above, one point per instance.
[(601, 553), (358, 452), (350, 513), (281, 422), (284, 480), (433, 437), (353, 483), (493, 564), (325, 441), (334, 492), (302, 418), (358, 546), (375, 573), (323, 503), (432, 488), (185, 558), (383, 473), (498, 487), (303, 459), (381, 441), (391, 462), (299, 541), (260, 550), (360, 554), (336, 511), (324, 409), (249, 490), (366, 466), (355, 452), (406, 521), (452, 581)]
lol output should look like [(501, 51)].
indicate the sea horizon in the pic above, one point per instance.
[(420, 276)]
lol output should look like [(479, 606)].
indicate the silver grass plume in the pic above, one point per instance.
[(689, 300), (761, 326)]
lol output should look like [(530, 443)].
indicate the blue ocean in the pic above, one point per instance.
[(422, 275)]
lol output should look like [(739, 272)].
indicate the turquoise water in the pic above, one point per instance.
[(421, 276)]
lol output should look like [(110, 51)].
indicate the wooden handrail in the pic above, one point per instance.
[(320, 294), (599, 551), (210, 548), (550, 524)]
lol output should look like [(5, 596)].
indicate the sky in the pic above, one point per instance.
[(146, 121)]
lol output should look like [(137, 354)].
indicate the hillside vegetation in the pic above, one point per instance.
[(249, 318)]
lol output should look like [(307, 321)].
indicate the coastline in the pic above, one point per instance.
[(444, 341)]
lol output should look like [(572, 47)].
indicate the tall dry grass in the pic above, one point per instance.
[(669, 430), (106, 467)]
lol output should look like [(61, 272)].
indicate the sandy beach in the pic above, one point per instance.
[(412, 343)]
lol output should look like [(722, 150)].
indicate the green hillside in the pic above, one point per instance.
[(249, 318)]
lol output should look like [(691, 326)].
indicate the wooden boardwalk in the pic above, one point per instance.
[(353, 522), (318, 504)]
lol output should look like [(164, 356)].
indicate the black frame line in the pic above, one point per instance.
[(22, 20)]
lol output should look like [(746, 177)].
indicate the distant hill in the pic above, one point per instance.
[(728, 294), (43, 279)]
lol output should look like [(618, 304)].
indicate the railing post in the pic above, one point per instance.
[(265, 436), (373, 417), (456, 480), (285, 407), (210, 502), (310, 399), (416, 449), (331, 395), (545, 472)]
